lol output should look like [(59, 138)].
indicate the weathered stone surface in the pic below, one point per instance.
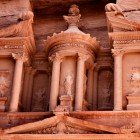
[(57, 72)]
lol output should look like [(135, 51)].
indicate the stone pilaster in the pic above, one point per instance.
[(80, 82), (16, 89), (90, 87), (118, 54), (95, 87), (54, 81)]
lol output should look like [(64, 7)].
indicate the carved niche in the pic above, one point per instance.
[(40, 93), (105, 90)]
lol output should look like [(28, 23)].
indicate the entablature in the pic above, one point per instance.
[(17, 44), (124, 39)]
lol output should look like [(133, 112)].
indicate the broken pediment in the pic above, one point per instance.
[(63, 124)]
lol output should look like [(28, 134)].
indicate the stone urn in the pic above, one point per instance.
[(2, 103), (133, 102)]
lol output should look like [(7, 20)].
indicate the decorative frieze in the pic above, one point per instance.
[(9, 47)]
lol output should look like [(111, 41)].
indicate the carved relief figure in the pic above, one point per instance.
[(68, 84), (4, 83), (134, 81), (106, 92), (39, 99)]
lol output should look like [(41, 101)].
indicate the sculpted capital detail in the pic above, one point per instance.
[(117, 52), (55, 57), (20, 56), (83, 57)]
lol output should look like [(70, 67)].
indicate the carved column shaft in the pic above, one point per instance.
[(54, 83), (95, 89), (90, 87), (16, 89), (118, 82), (80, 83)]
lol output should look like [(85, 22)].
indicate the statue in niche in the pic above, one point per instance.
[(107, 91), (68, 84), (4, 84), (85, 102), (39, 100)]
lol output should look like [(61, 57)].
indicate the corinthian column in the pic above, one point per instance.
[(54, 81), (80, 82), (20, 58), (117, 79)]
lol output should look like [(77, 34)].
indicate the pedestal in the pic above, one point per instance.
[(2, 103), (133, 102)]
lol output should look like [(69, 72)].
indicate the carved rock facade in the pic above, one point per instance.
[(66, 79)]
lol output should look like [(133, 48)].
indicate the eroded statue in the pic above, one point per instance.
[(107, 91), (68, 84), (39, 99), (4, 86), (113, 7)]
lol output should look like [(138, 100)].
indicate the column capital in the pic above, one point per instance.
[(117, 52), (56, 57), (20, 56), (82, 57)]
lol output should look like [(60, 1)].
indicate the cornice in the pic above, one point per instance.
[(65, 39)]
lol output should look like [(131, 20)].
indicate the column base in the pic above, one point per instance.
[(117, 109), (13, 110), (78, 110)]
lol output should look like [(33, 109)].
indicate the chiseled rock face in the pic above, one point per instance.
[(10, 9), (57, 77)]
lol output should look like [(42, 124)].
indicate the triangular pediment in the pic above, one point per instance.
[(64, 125), (121, 23)]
